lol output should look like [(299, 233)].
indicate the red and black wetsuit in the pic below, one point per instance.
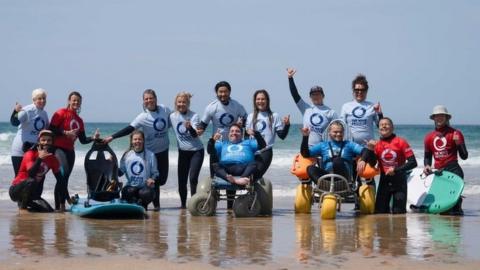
[(440, 144), (65, 120), (393, 152), (28, 184)]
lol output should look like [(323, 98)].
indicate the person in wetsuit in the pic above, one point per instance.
[(140, 168), (67, 126), (269, 124), (27, 187), (395, 159), (190, 148), (154, 121), (445, 144)]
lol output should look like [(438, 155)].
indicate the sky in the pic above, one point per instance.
[(415, 54)]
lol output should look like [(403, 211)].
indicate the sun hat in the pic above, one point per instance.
[(440, 109)]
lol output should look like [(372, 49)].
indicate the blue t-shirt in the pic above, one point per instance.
[(234, 153)]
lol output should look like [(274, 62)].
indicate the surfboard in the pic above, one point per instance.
[(435, 193), (115, 209)]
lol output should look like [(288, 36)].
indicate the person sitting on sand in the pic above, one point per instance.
[(140, 168), (337, 153), (26, 189), (234, 158)]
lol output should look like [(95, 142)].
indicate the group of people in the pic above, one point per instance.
[(240, 149)]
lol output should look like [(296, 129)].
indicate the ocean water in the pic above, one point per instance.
[(284, 183)]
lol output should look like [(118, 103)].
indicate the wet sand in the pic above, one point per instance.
[(174, 239)]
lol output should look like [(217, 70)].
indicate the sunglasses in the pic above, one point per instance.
[(359, 90)]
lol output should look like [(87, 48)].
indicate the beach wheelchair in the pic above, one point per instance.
[(250, 200), (330, 190)]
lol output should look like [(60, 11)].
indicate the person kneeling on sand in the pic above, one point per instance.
[(27, 187), (234, 159), (140, 168)]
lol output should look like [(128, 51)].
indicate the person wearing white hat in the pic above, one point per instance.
[(445, 144)]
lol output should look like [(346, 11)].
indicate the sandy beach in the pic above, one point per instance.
[(172, 238)]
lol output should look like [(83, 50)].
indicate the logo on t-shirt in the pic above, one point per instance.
[(440, 143), (260, 125), (359, 112), (316, 119), (159, 124), (39, 124), (74, 124), (181, 129), (136, 168), (226, 119), (388, 156), (234, 148)]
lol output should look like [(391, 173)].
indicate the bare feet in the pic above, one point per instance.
[(231, 179), (242, 181)]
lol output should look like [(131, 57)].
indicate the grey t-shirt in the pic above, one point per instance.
[(185, 140), (263, 125), (223, 116), (32, 121), (316, 118), (155, 127), (360, 118)]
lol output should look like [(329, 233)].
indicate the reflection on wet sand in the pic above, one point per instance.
[(27, 234), (224, 240), (391, 235)]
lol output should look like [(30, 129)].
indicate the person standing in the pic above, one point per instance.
[(395, 159), (445, 144), (223, 112), (317, 116), (31, 119), (154, 121), (190, 149), (269, 124), (361, 115), (67, 126)]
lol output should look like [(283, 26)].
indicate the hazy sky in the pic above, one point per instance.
[(415, 54)]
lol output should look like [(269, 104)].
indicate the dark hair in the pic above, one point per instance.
[(255, 109), (74, 93), (360, 79), (223, 83), (388, 119), (151, 92), (130, 147), (235, 125)]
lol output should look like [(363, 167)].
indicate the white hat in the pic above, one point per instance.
[(440, 109)]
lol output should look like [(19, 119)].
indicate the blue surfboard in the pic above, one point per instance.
[(435, 193), (115, 209)]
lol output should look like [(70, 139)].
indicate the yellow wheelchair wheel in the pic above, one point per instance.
[(367, 199), (303, 199), (329, 207)]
